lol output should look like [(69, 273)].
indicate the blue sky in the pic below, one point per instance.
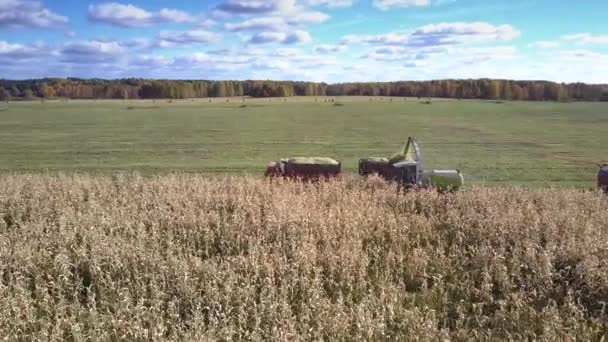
[(316, 40)]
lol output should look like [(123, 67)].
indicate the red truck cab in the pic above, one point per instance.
[(273, 169)]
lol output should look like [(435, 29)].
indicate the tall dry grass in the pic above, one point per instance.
[(183, 257)]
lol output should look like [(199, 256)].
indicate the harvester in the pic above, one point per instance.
[(602, 176), (305, 168), (407, 169)]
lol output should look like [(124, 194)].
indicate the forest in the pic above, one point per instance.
[(135, 88)]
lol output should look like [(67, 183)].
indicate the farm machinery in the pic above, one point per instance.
[(305, 168), (404, 168), (602, 176), (407, 169)]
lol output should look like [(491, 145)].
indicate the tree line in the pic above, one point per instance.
[(133, 88)]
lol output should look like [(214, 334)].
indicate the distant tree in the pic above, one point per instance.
[(156, 89), (15, 92), (229, 88), (460, 92), (562, 92), (238, 91), (506, 92), (4, 95), (494, 89), (220, 89), (309, 90), (28, 94), (187, 90), (46, 91)]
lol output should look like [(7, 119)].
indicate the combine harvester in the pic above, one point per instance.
[(602, 177), (406, 168), (305, 168)]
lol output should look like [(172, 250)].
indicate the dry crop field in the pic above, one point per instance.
[(186, 257)]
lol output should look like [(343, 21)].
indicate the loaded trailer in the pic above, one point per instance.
[(306, 168)]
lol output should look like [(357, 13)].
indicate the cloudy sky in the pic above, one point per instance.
[(316, 40)]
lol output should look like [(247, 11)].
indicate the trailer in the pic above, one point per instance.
[(305, 168)]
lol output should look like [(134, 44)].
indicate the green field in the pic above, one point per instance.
[(530, 143)]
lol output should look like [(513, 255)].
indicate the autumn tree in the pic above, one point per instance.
[(4, 94), (450, 88), (46, 91), (28, 94), (219, 89)]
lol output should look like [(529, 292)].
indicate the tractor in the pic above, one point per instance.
[(602, 177), (406, 168), (304, 168)]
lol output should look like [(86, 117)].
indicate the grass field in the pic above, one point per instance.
[(528, 143), (195, 258)]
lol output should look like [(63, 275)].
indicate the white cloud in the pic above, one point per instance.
[(329, 48), (288, 52), (391, 50), (472, 56), (132, 16), (267, 37), (21, 51), (297, 37), (388, 4), (152, 61), (586, 38), (100, 51), (463, 32), (380, 39), (330, 3), (279, 65), (94, 47), (256, 7), (545, 44), (495, 51), (443, 34), (395, 53), (307, 18), (584, 55), (172, 38), (204, 58), (268, 15), (92, 52), (314, 60), (384, 63), (28, 14), (277, 23), (240, 7), (259, 24)]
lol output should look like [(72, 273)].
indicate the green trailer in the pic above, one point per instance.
[(443, 180)]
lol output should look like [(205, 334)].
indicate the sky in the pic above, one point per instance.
[(307, 40)]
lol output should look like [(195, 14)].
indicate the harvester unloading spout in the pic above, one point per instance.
[(406, 167), (409, 161)]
